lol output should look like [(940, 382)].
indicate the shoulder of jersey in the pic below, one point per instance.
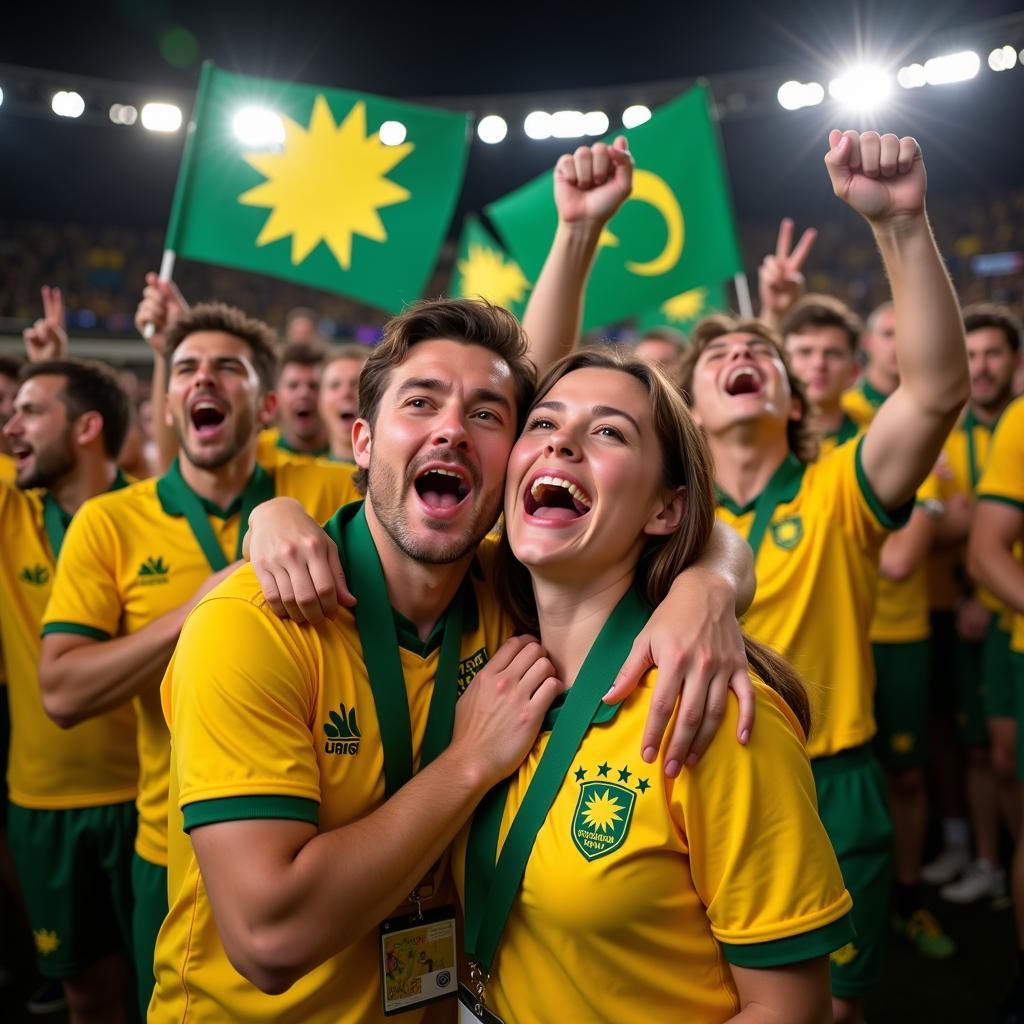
[(133, 493)]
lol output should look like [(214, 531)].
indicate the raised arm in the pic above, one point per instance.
[(590, 186), (47, 338), (780, 282), (883, 178)]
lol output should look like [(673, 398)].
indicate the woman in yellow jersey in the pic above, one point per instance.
[(594, 887)]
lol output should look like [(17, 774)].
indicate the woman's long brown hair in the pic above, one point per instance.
[(686, 462)]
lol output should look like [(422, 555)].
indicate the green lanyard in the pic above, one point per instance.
[(972, 466), (259, 489), (56, 521), (491, 888), (375, 622), (778, 490)]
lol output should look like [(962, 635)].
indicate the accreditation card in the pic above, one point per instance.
[(417, 959)]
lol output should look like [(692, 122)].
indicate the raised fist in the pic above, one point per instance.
[(881, 176), (593, 182)]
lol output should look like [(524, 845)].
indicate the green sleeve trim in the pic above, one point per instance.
[(794, 949), (243, 808), (890, 520), (1002, 499), (76, 628)]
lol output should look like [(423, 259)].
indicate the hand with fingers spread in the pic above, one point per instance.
[(780, 282), (296, 563), (47, 338), (161, 306), (593, 182), (881, 176), (499, 716)]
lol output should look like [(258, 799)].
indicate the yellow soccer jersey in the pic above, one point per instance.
[(641, 889), (861, 402), (8, 468), (847, 431), (272, 450), (131, 557), (262, 734), (1003, 479), (817, 571), (50, 768)]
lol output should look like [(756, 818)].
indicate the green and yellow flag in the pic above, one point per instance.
[(298, 181), (676, 232), (683, 311), (484, 270)]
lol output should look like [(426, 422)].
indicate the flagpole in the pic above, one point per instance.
[(166, 273), (746, 308)]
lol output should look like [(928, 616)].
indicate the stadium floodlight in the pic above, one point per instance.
[(123, 113), (537, 125), (492, 129), (861, 88), (1002, 59), (634, 115), (567, 124), (161, 117), (912, 76), (953, 67), (794, 95), (1, 97), (393, 133), (595, 122), (67, 104), (258, 128)]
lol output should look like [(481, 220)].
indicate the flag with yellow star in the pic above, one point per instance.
[(338, 190), (676, 231), (484, 270), (684, 310)]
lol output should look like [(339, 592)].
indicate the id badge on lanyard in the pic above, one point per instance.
[(417, 959)]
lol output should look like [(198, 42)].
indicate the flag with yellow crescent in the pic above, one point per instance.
[(343, 191), (483, 270), (676, 231)]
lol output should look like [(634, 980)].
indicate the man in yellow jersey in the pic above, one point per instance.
[(135, 562), (971, 627), (821, 335), (72, 793), (300, 434), (9, 369), (993, 560), (817, 527)]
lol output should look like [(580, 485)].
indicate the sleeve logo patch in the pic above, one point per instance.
[(37, 575), (153, 571), (342, 732)]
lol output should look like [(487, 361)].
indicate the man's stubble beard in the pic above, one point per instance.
[(52, 463)]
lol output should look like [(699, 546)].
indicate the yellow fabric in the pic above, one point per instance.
[(50, 768), (107, 584), (1003, 480), (268, 454), (814, 598), (733, 850), (8, 468), (256, 729), (858, 406)]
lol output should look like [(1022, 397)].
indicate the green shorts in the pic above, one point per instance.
[(854, 809), (997, 673), (901, 703), (970, 712), (149, 887), (75, 872)]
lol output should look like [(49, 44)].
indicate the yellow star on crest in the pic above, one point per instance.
[(486, 273), (602, 812), (326, 184), (686, 306)]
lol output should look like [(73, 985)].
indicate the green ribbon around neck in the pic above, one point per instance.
[(783, 486)]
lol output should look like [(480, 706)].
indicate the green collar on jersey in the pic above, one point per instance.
[(872, 394), (783, 486), (56, 521), (847, 430), (312, 452)]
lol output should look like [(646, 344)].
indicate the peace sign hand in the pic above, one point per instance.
[(881, 176), (780, 282), (593, 182), (47, 338)]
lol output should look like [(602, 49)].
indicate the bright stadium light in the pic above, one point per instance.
[(258, 128), (634, 115), (912, 76), (393, 133), (67, 104), (1, 97), (1002, 59), (567, 124), (537, 125), (161, 117), (794, 95), (862, 88), (492, 129), (953, 67), (123, 113), (595, 122)]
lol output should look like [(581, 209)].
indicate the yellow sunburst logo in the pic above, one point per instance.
[(326, 184), (687, 306), (602, 811), (46, 941), (487, 274), (845, 955)]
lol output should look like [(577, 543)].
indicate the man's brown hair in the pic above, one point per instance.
[(803, 440), (991, 314), (218, 316), (301, 353), (817, 311)]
